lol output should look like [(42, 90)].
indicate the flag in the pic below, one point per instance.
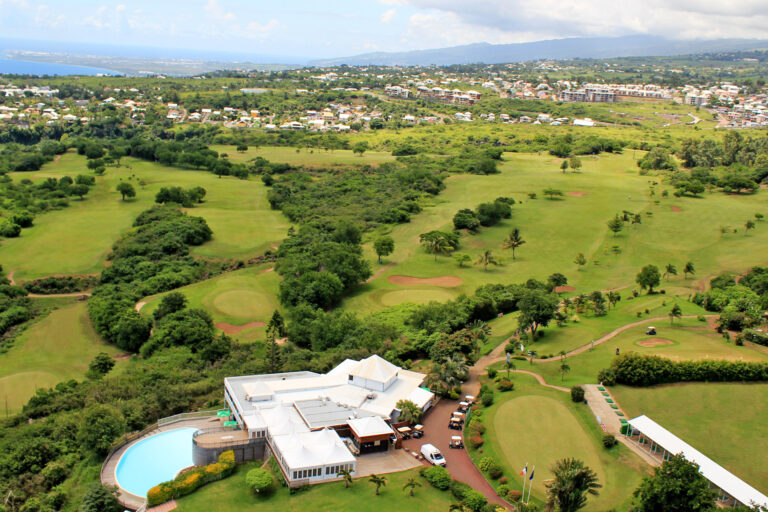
[(508, 357), (532, 472), (525, 470), (522, 348)]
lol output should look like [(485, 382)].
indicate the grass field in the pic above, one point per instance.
[(237, 211), (537, 425), (556, 230), (238, 298), (53, 349), (726, 422), (231, 495), (306, 157)]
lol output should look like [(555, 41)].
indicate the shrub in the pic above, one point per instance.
[(10, 229), (476, 441), (191, 480), (437, 476), (506, 385), (514, 495), (259, 480), (459, 489), (753, 336), (474, 500), (503, 480), (577, 394), (503, 490), (609, 441), (607, 376), (487, 398), (492, 372), (477, 428)]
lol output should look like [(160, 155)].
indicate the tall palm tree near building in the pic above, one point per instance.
[(572, 482), (513, 241), (346, 475), (378, 481)]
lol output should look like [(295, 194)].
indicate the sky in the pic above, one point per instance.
[(334, 28)]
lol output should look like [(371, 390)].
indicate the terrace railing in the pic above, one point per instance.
[(186, 416)]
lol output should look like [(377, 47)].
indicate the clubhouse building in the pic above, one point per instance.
[(317, 424)]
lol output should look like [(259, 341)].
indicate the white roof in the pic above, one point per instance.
[(375, 368), (370, 426), (711, 470), (420, 397), (312, 449)]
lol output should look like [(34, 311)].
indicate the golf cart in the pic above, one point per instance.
[(454, 424), (650, 330), (456, 442), (405, 432), (463, 406), (418, 431)]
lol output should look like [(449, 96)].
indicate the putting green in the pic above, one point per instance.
[(396, 297), (237, 303)]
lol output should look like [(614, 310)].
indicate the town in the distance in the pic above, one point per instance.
[(539, 284)]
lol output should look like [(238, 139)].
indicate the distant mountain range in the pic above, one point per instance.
[(571, 48)]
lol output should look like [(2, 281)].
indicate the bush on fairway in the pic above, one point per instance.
[(609, 441), (438, 476), (577, 394), (259, 480)]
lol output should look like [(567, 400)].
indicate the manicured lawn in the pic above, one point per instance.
[(237, 211), (306, 157), (556, 230), (53, 349), (232, 495), (239, 297), (726, 422), (537, 425)]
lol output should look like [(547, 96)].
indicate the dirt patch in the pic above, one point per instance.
[(576, 193), (380, 271), (234, 329), (143, 303), (654, 342), (446, 281), (675, 208), (561, 289), (270, 269), (122, 357)]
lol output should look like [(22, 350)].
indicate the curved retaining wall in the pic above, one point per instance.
[(252, 449)]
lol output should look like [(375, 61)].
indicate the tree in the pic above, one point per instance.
[(411, 484), (98, 499), (513, 241), (241, 148), (759, 217), (101, 364), (259, 480), (275, 329), (564, 366), (384, 245), (100, 425), (537, 308), (616, 225), (360, 148), (676, 486), (689, 269), (580, 260), (648, 277), (553, 192), (409, 411), (170, 303), (346, 475), (564, 166), (670, 270), (571, 483), (79, 190), (461, 259), (675, 312), (126, 190), (437, 242), (613, 297), (575, 164), (750, 224), (116, 153), (486, 258), (378, 481)]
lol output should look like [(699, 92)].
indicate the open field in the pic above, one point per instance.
[(724, 421), (231, 495), (562, 228), (537, 425), (237, 211), (306, 157), (245, 297), (52, 349)]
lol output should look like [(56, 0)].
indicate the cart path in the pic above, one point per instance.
[(380, 271)]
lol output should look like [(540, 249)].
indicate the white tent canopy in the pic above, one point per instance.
[(370, 426), (718, 475)]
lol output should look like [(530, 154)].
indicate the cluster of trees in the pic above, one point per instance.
[(597, 302), (18, 158), (152, 258), (60, 284), (633, 369), (566, 146), (15, 309), (486, 214), (184, 197), (740, 305), (24, 199)]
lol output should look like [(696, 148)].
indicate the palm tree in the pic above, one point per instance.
[(573, 480), (675, 312), (513, 241), (479, 330), (613, 297), (689, 269), (485, 259), (411, 484), (670, 270), (378, 481), (346, 475)]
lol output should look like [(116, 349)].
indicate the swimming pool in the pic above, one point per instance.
[(154, 460)]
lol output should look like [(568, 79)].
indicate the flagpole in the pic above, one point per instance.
[(533, 472), (525, 475)]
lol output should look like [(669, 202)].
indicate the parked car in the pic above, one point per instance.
[(432, 454)]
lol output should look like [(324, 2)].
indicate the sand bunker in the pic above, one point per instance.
[(561, 289), (446, 281), (654, 342), (234, 329), (576, 193), (675, 208)]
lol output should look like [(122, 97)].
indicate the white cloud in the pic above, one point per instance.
[(388, 16), (217, 12), (255, 30)]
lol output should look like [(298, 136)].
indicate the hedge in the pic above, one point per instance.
[(639, 370), (189, 481), (438, 476), (753, 336)]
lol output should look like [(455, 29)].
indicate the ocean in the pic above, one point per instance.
[(25, 67)]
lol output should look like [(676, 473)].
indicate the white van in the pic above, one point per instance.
[(432, 454)]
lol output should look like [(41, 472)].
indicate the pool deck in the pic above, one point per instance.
[(218, 439), (126, 499)]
